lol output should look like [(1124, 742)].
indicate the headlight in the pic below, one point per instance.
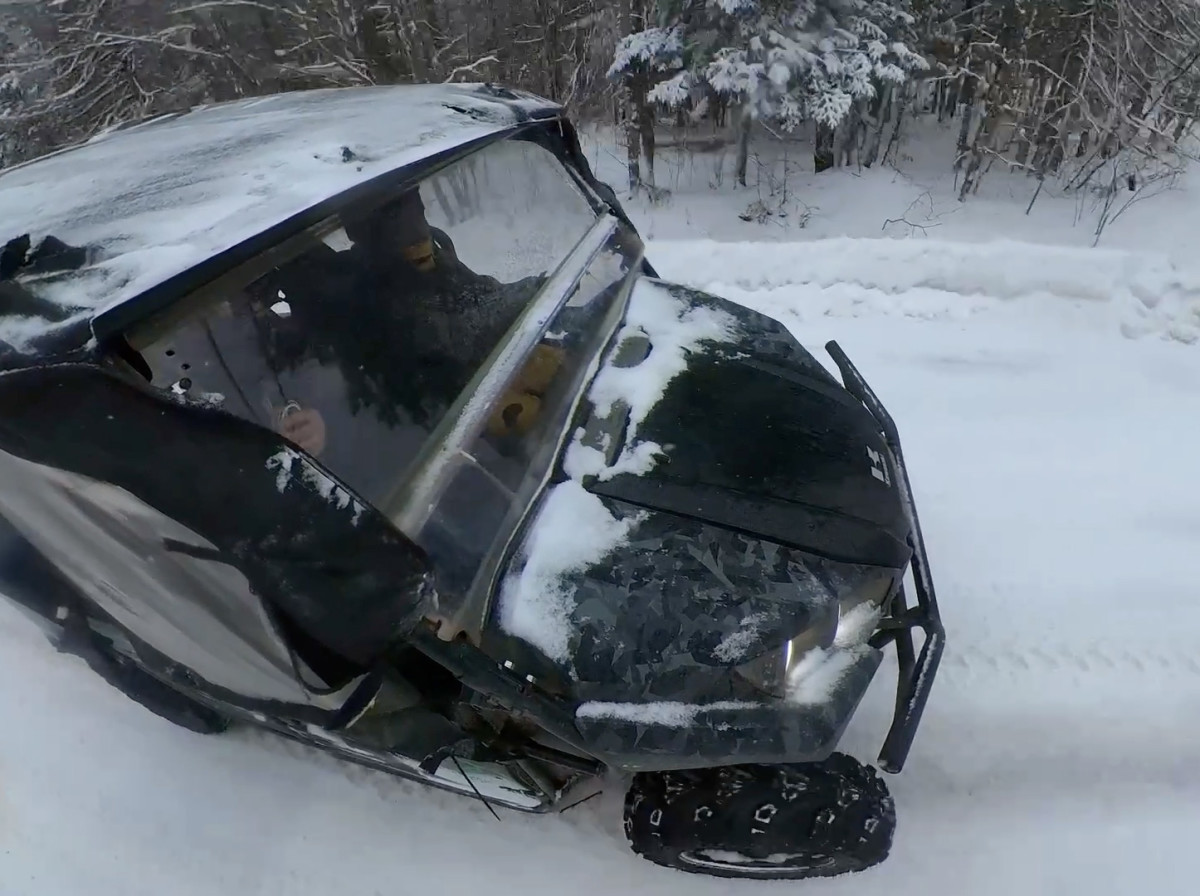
[(769, 672), (856, 617)]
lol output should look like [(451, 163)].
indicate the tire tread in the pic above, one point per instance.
[(837, 812)]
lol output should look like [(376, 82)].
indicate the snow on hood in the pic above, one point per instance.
[(734, 645), (159, 198), (573, 530), (817, 675), (668, 713), (675, 329)]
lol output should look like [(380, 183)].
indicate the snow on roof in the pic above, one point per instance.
[(160, 197)]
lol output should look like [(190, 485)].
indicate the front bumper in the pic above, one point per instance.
[(664, 736), (916, 673)]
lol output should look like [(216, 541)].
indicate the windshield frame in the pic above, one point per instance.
[(416, 502)]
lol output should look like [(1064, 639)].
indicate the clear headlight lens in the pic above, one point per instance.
[(769, 672), (848, 623)]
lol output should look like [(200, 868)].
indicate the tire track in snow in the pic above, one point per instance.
[(1037, 728), (1090, 658)]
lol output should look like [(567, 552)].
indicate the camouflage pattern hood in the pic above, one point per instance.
[(718, 501)]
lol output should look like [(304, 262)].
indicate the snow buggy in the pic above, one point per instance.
[(360, 415)]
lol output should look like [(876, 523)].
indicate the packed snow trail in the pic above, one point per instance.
[(1053, 461)]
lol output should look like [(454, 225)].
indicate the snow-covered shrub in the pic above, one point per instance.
[(787, 61)]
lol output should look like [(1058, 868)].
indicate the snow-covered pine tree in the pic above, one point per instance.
[(830, 62), (643, 58)]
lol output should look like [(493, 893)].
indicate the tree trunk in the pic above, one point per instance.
[(824, 149), (744, 123), (966, 109), (428, 39), (893, 146), (982, 141), (632, 123), (645, 121), (633, 134), (380, 61), (874, 136)]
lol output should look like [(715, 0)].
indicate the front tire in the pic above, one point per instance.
[(780, 822)]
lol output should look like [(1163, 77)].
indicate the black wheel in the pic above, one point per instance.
[(763, 822)]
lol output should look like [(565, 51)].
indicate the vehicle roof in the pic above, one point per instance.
[(157, 198)]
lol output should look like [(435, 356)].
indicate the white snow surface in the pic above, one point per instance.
[(674, 331), (572, 531), (1053, 461), (1144, 293), (164, 196)]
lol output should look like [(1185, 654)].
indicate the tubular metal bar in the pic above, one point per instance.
[(916, 678)]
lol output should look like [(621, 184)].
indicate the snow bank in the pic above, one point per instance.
[(1152, 294)]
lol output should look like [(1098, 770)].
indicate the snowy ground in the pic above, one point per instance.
[(1053, 457), (915, 199)]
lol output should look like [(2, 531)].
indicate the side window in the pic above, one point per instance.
[(357, 345), (511, 211)]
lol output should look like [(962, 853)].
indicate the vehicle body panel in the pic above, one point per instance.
[(203, 616), (657, 737), (105, 465), (750, 533), (764, 440)]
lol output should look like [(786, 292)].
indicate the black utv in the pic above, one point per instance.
[(360, 415)]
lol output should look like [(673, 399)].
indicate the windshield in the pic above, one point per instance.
[(356, 347), (485, 478)]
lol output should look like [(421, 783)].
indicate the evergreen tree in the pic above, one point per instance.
[(781, 61)]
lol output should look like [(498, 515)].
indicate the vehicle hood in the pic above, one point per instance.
[(720, 496), (711, 411)]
